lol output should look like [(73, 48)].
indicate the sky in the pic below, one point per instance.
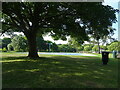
[(113, 3)]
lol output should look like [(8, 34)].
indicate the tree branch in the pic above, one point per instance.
[(20, 17)]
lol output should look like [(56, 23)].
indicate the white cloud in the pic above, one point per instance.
[(47, 37)]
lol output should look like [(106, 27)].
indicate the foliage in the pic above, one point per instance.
[(66, 48), (10, 47), (0, 43), (80, 48), (0, 49), (114, 46), (50, 46), (19, 43), (4, 50), (41, 45), (5, 42), (103, 47), (95, 48), (87, 48), (73, 42), (54, 47), (119, 46)]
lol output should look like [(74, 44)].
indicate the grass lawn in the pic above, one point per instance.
[(55, 71)]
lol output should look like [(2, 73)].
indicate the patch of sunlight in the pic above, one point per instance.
[(16, 55), (102, 69), (84, 65), (12, 60), (79, 74), (69, 74), (106, 70), (32, 70), (10, 71), (49, 77), (96, 77), (65, 74), (55, 62), (98, 72)]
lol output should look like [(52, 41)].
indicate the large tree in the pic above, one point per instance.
[(60, 19)]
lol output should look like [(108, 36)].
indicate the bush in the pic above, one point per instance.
[(87, 48), (10, 47), (114, 46), (95, 48), (19, 43), (0, 49), (4, 50)]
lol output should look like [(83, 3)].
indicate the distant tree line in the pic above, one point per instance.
[(19, 43)]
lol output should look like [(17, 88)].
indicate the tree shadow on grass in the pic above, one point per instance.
[(21, 57), (58, 71)]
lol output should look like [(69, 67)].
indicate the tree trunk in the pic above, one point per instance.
[(32, 45)]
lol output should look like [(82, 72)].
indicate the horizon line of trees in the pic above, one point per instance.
[(19, 43)]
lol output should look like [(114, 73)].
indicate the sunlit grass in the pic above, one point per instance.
[(57, 71)]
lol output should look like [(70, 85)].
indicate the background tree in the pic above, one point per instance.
[(66, 48), (114, 46), (80, 48), (95, 48), (19, 43), (103, 47), (60, 19), (10, 47), (54, 47), (5, 42), (98, 38), (41, 44), (74, 43), (87, 48), (49, 45), (4, 50), (0, 43)]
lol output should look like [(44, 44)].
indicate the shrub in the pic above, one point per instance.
[(4, 50), (10, 47)]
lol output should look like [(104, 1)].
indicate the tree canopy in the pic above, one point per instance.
[(61, 19), (114, 46), (19, 43), (5, 42)]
